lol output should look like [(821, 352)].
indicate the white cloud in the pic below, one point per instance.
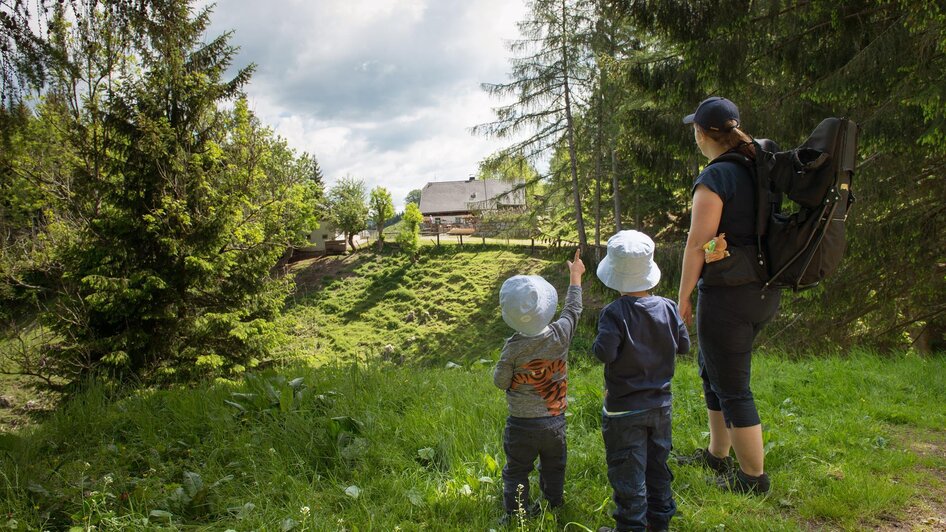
[(382, 90)]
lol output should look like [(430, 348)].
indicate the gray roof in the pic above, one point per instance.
[(463, 196)]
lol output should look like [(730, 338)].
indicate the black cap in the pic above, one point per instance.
[(714, 113)]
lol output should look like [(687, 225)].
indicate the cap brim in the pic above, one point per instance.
[(689, 119)]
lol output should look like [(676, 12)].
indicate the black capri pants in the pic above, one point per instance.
[(728, 318)]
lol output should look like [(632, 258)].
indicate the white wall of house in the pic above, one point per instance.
[(317, 238), (328, 231)]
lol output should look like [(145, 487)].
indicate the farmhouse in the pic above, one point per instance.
[(450, 204)]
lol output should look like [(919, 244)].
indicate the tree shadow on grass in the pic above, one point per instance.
[(376, 292), (480, 335), (311, 275)]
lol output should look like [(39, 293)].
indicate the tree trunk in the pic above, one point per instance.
[(597, 156), (569, 128), (351, 241), (615, 186)]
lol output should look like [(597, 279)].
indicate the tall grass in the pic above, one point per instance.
[(375, 448)]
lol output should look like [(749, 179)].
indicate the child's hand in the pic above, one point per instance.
[(575, 268)]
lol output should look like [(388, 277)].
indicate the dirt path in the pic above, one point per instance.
[(928, 511)]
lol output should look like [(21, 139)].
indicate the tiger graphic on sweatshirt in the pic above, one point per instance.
[(548, 379)]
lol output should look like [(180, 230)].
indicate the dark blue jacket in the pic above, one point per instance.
[(638, 339)]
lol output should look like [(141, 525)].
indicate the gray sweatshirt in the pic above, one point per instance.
[(534, 369)]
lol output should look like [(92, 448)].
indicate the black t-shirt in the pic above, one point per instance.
[(732, 182)]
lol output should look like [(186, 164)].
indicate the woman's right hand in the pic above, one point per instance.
[(685, 310)]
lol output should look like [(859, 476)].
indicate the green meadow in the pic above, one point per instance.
[(380, 414)]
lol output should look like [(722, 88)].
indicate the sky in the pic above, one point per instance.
[(380, 90)]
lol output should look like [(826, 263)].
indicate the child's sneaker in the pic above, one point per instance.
[(739, 482), (703, 457)]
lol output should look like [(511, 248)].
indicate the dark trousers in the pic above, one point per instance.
[(637, 447), (524, 440), (728, 318)]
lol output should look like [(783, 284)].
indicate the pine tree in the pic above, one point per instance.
[(168, 212), (545, 84)]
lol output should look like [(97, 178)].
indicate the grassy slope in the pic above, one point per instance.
[(441, 309), (427, 452)]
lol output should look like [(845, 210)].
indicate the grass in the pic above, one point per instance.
[(354, 436), (441, 309), (375, 448)]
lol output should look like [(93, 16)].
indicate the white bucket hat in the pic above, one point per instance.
[(528, 303), (629, 265)]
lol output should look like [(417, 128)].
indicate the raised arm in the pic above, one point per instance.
[(571, 311)]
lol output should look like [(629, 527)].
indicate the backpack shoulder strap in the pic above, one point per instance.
[(734, 157), (763, 206)]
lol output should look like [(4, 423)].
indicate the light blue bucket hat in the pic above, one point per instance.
[(629, 265), (528, 303)]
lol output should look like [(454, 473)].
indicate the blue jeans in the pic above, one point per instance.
[(524, 440), (637, 448)]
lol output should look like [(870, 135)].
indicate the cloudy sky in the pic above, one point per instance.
[(383, 90)]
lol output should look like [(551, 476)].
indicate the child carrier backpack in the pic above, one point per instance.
[(799, 249)]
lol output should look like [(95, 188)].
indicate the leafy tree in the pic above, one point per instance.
[(23, 51), (348, 206), (409, 237), (413, 197), (382, 209)]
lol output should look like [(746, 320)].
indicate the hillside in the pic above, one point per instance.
[(444, 308), (348, 436)]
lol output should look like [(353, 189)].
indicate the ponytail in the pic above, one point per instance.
[(732, 138)]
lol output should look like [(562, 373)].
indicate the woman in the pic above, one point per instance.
[(727, 317)]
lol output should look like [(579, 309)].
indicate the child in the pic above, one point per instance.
[(638, 336), (533, 370)]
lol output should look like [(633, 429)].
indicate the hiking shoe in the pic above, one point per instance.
[(703, 457), (739, 482)]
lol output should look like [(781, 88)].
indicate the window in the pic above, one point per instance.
[(324, 237)]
